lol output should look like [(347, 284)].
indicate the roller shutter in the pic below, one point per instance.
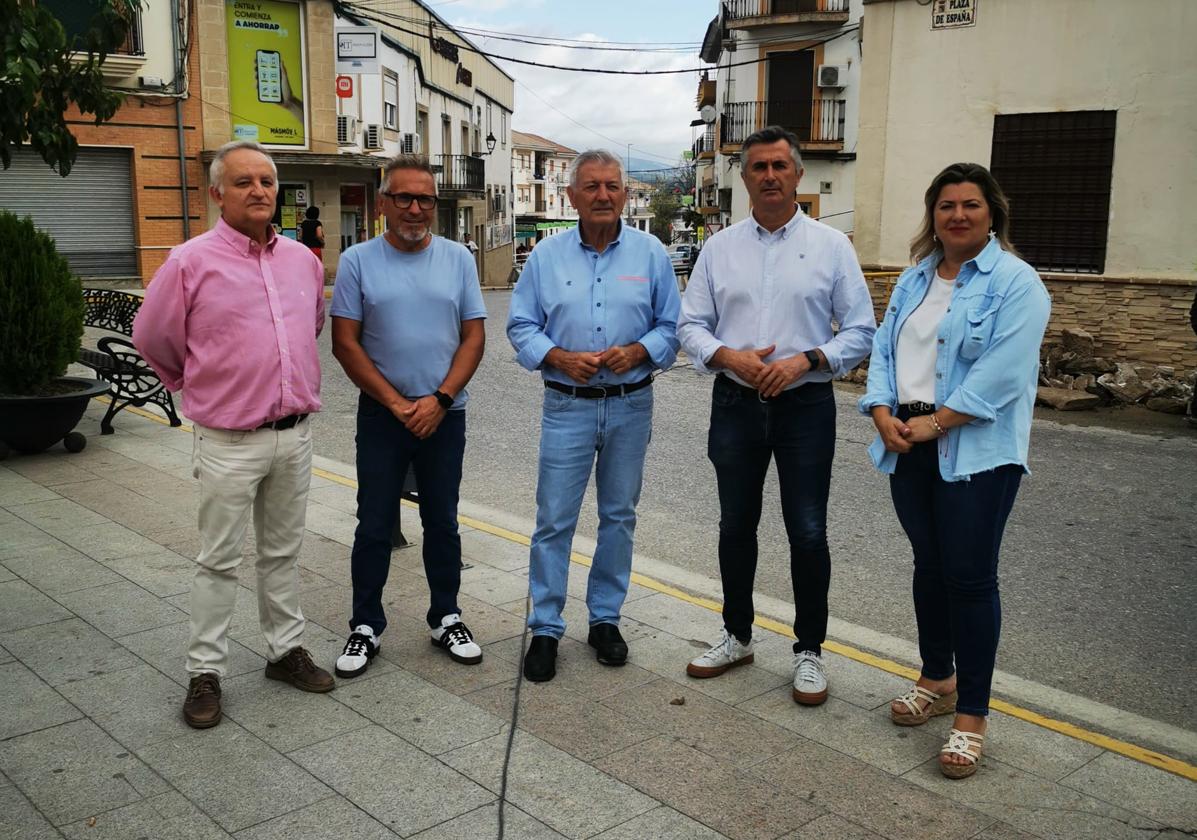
[(89, 213)]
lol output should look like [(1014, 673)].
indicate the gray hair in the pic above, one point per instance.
[(771, 134), (601, 156), (417, 162), (216, 169)]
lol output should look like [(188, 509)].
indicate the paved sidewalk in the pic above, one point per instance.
[(95, 566)]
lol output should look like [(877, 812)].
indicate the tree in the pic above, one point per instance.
[(45, 70), (664, 206)]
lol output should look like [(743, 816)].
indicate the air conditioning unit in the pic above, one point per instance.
[(833, 75), (373, 136), (346, 130), (410, 144)]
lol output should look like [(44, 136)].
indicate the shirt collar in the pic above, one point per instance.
[(239, 240), (984, 261), (582, 242), (785, 230)]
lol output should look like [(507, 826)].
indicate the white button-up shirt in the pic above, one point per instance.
[(751, 288)]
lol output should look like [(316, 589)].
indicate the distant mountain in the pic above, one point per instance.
[(648, 170)]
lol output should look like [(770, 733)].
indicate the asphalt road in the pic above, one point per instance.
[(1098, 562)]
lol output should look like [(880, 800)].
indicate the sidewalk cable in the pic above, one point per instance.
[(515, 714)]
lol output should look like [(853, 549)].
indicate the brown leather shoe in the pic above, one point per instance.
[(201, 709), (298, 669)]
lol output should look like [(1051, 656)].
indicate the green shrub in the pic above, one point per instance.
[(41, 308)]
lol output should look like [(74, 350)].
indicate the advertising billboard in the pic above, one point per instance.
[(266, 78)]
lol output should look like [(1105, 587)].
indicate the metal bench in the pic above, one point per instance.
[(116, 361)]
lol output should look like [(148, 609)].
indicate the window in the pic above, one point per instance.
[(390, 100), (503, 121), (489, 118), (1055, 168), (76, 17)]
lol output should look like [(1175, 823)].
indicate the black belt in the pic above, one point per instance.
[(283, 423), (727, 381), (598, 392), (917, 409)]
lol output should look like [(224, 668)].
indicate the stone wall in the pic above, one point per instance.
[(1131, 319)]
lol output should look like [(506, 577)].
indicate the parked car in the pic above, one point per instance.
[(682, 257)]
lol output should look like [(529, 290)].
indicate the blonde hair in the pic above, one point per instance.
[(923, 244)]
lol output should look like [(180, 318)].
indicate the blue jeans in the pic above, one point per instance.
[(797, 431), (955, 529), (611, 436), (385, 449)]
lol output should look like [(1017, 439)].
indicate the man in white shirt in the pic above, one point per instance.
[(758, 310)]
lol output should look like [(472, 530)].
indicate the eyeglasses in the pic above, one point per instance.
[(404, 200)]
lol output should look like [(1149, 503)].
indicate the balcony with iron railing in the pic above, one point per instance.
[(819, 123), (745, 14), (459, 174), (704, 144)]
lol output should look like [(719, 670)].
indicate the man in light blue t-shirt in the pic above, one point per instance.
[(407, 318)]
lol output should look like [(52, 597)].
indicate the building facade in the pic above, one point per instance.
[(793, 63), (1090, 135), (538, 168), (136, 187)]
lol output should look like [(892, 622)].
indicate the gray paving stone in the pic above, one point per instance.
[(854, 682), (493, 586), (284, 718), (667, 655), (566, 794), (56, 568), (686, 621), (719, 730), (662, 823), (28, 703), (16, 489), (168, 816), (567, 720), (334, 818), (19, 820), (428, 717), (137, 706), (871, 798), (163, 572), (240, 779), (20, 536), (1035, 805), (831, 827), (1001, 831), (119, 609), (1032, 748), (327, 558), (165, 648), (66, 651), (75, 770), (24, 607), (5, 574), (397, 784), (53, 467), (330, 523), (1160, 795), (132, 508), (483, 823), (184, 542), (5, 656), (494, 551), (58, 515), (731, 801), (867, 735), (579, 671), (579, 577), (336, 496), (409, 646), (107, 541)]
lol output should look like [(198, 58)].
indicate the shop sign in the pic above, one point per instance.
[(952, 14), (266, 75)]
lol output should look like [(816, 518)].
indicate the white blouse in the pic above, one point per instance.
[(918, 347)]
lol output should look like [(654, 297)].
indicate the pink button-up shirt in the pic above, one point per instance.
[(234, 324)]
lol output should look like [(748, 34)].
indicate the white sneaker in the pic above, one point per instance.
[(728, 653), (456, 638), (360, 648), (810, 681)]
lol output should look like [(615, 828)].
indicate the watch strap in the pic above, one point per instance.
[(814, 359), (444, 399)]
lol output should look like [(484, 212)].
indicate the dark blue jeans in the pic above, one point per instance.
[(385, 448), (797, 431), (955, 529)]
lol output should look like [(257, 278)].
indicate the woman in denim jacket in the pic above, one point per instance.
[(952, 383)]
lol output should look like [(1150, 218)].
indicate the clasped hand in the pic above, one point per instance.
[(580, 366), (899, 436), (769, 378), (421, 416)]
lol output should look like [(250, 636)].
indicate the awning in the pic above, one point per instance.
[(351, 160)]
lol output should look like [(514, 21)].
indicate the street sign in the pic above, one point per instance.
[(357, 49), (344, 86)]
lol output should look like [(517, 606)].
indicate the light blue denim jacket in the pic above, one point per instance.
[(987, 365)]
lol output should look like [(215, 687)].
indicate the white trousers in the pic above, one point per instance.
[(269, 473)]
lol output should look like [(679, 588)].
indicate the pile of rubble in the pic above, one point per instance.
[(1072, 377)]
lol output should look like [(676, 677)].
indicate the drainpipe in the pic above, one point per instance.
[(180, 76)]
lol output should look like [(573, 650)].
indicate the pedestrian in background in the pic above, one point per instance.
[(311, 231), (758, 310), (595, 312), (232, 317), (951, 387), (407, 316)]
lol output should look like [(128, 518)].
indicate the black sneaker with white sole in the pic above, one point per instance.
[(457, 640), (360, 648)]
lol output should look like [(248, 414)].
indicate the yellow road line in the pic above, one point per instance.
[(1105, 742)]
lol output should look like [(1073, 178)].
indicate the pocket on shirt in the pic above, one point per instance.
[(978, 330)]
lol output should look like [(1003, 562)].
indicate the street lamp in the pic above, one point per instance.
[(490, 142)]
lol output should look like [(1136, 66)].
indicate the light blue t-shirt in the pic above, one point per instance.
[(411, 307)]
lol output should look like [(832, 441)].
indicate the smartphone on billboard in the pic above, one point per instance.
[(270, 76)]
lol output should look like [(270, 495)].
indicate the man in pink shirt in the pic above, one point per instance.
[(231, 319)]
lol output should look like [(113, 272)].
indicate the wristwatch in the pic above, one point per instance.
[(444, 399), (813, 357)]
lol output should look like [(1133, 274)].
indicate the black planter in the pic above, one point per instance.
[(34, 424)]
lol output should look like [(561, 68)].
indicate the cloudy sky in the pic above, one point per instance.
[(653, 113)]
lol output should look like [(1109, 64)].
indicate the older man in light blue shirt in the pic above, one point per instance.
[(595, 310), (759, 309)]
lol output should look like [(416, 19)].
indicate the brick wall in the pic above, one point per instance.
[(1131, 319)]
